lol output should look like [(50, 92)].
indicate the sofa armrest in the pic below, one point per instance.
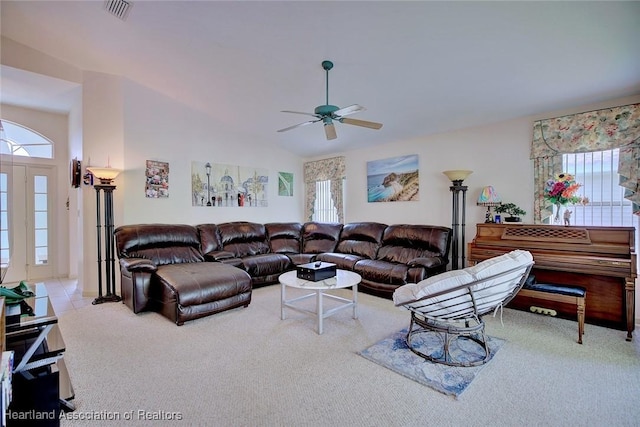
[(135, 281), (218, 255), (138, 264), (428, 262)]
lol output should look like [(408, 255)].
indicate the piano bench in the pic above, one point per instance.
[(558, 293)]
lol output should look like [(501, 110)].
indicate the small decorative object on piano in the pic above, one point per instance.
[(316, 271), (513, 210)]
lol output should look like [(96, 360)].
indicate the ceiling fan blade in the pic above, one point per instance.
[(330, 131), (351, 109), (363, 123), (299, 112), (298, 125)]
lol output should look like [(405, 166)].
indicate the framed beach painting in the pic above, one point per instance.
[(393, 180)]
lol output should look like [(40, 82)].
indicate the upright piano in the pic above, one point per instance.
[(600, 259)]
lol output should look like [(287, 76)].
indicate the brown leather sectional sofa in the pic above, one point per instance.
[(186, 272)]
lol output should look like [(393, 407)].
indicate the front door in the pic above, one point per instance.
[(27, 216)]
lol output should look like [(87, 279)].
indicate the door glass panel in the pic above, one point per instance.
[(4, 222), (41, 237), (41, 227), (40, 184), (40, 202), (41, 256), (41, 220)]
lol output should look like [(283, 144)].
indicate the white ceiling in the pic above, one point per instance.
[(419, 67)]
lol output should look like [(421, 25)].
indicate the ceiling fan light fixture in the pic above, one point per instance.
[(330, 130)]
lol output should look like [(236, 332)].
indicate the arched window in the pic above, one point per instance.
[(22, 141)]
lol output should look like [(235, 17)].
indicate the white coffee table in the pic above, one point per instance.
[(343, 279)]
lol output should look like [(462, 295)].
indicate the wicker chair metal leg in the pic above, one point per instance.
[(447, 333)]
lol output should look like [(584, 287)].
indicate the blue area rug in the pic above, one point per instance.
[(393, 353)]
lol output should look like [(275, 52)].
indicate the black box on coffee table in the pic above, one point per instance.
[(316, 271)]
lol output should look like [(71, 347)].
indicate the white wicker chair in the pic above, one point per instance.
[(451, 305)]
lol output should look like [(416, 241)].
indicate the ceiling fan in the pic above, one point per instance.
[(327, 113)]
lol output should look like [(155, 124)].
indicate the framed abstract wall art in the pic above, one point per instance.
[(285, 184)]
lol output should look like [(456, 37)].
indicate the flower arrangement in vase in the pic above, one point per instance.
[(561, 191)]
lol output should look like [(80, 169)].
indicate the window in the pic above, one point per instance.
[(324, 190), (598, 174), (324, 209), (21, 141)]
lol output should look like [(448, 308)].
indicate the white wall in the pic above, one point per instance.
[(480, 149), (76, 222), (159, 128)]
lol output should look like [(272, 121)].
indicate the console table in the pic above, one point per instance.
[(39, 348)]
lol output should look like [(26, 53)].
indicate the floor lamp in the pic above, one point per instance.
[(458, 214), (105, 189)]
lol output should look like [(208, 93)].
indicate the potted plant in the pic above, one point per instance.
[(512, 210)]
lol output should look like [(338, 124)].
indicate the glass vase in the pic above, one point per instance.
[(558, 216)]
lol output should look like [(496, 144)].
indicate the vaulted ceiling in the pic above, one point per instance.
[(419, 67)]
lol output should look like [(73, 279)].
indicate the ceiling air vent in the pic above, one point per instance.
[(118, 8)]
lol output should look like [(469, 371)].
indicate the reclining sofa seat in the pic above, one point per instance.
[(408, 254), (248, 241), (358, 241), (318, 238), (286, 238), (163, 269), (211, 246)]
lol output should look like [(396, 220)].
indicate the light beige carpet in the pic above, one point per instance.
[(247, 367)]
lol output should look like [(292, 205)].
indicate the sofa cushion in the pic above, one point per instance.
[(403, 242), (298, 259), (243, 239), (284, 237), (342, 261), (196, 284), (361, 238), (160, 243), (183, 292), (385, 272), (266, 264), (209, 238), (320, 237)]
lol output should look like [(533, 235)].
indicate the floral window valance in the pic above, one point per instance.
[(322, 170), (332, 169), (597, 130)]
